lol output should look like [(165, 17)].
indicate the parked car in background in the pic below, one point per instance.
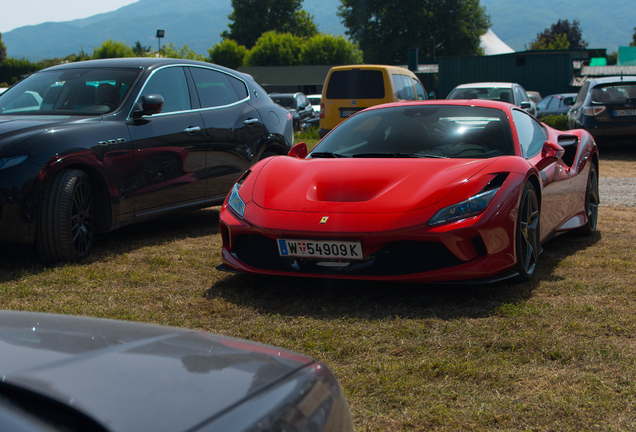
[(499, 91), (67, 373), (111, 142), (314, 99), (297, 104), (556, 104), (426, 191), (606, 108), (349, 89), (534, 96)]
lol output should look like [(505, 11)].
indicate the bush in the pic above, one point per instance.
[(310, 133), (556, 121)]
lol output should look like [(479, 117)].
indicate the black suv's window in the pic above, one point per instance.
[(170, 83), (239, 86), (356, 84), (214, 88), (69, 91)]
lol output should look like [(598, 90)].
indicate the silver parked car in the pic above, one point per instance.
[(65, 373), (500, 91)]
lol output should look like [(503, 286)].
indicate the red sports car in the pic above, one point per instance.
[(427, 191)]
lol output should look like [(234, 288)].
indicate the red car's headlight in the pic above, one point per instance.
[(470, 207)]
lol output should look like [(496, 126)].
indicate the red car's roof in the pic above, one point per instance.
[(504, 106)]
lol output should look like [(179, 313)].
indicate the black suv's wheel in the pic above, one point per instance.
[(591, 202), (65, 224), (527, 241)]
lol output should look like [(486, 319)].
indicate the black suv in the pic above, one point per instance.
[(606, 108), (298, 105), (92, 146)]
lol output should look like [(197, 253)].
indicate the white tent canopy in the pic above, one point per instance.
[(492, 45)]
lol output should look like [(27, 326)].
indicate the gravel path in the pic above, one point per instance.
[(617, 191)]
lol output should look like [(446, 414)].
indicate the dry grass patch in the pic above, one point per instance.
[(556, 353)]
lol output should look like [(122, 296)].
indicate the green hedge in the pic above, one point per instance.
[(556, 121)]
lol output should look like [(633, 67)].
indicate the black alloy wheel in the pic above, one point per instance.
[(527, 241), (592, 201), (65, 226)]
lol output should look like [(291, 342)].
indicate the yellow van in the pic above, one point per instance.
[(349, 89)]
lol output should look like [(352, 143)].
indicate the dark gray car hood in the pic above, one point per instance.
[(131, 376)]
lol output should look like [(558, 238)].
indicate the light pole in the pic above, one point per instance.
[(160, 34)]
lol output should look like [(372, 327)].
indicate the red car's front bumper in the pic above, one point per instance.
[(396, 246)]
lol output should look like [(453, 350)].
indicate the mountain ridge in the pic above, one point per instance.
[(199, 23)]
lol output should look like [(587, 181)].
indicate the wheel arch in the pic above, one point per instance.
[(103, 207), (272, 145), (534, 179)]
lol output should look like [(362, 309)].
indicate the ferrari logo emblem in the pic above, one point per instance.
[(324, 219)]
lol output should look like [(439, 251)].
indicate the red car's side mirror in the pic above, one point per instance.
[(298, 151), (552, 150)]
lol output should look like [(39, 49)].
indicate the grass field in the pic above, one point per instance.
[(554, 354)]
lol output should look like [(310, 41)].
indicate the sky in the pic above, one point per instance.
[(19, 13)]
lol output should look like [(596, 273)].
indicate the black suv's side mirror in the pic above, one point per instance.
[(148, 105)]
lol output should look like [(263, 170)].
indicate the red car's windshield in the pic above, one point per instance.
[(448, 131)]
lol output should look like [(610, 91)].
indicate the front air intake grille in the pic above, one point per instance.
[(394, 259), (407, 257)]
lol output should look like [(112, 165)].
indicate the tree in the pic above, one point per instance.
[(140, 50), (13, 69), (171, 51), (633, 43), (386, 29), (275, 49), (228, 53), (3, 50), (558, 42), (554, 36), (251, 18), (324, 49), (112, 49)]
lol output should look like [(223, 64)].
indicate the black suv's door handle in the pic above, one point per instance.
[(250, 122), (192, 130)]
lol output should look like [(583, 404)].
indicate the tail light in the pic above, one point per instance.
[(593, 110), (322, 110)]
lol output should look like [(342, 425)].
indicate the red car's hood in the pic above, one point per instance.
[(359, 185)]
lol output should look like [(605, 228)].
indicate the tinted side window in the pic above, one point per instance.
[(520, 96), (543, 103), (213, 87), (356, 84), (532, 136), (582, 93), (403, 87), (172, 85), (419, 90), (239, 87), (555, 102)]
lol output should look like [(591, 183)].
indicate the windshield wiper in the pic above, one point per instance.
[(397, 155), (326, 155)]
